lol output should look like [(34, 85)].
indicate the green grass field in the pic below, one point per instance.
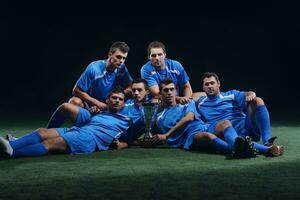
[(160, 173)]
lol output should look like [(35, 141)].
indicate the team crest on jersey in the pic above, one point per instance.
[(153, 72)]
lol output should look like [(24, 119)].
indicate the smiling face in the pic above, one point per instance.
[(157, 57), (211, 86), (116, 58), (115, 102), (139, 92)]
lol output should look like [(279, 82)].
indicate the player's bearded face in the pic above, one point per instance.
[(116, 102), (168, 94), (211, 86), (139, 92), (117, 58), (157, 57)]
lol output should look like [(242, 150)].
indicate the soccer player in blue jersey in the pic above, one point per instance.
[(216, 106), (95, 135), (99, 78), (133, 108), (180, 126), (159, 67)]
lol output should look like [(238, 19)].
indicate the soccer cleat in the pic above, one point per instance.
[(10, 137), (243, 148), (275, 150), (5, 146), (271, 141)]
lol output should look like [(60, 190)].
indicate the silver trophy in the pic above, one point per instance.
[(149, 114)]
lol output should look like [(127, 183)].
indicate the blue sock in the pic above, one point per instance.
[(263, 122), (229, 136), (260, 148), (31, 138), (56, 120), (30, 151), (221, 145)]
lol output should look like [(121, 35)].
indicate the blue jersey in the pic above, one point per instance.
[(173, 71), (101, 130), (169, 117), (98, 82), (136, 113), (226, 106)]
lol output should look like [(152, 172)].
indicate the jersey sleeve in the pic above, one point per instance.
[(146, 75), (86, 79), (191, 107), (183, 77), (124, 77), (239, 98)]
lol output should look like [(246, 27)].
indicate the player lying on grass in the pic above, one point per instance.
[(133, 108), (216, 106), (97, 134), (181, 126)]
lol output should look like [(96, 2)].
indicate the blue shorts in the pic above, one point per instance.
[(78, 142), (83, 117)]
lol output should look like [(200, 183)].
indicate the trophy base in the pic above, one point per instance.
[(146, 143)]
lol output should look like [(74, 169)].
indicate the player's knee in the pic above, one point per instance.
[(258, 101), (65, 107), (222, 125), (41, 130), (203, 138), (56, 145), (208, 136), (76, 101)]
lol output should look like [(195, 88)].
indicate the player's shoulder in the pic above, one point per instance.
[(173, 63), (230, 92), (147, 66), (98, 64)]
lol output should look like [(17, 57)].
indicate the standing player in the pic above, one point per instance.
[(159, 68), (95, 135), (99, 78), (217, 106)]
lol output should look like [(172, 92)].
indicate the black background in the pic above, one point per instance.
[(45, 48)]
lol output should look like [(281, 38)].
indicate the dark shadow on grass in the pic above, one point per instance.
[(276, 181)]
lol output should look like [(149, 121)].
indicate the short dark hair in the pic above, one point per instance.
[(166, 81), (122, 46), (140, 80), (210, 74), (156, 44), (116, 89)]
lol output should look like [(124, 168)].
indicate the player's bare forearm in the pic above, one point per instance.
[(189, 117), (154, 90), (117, 144), (187, 90), (87, 98)]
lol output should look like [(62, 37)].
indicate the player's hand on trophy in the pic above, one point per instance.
[(158, 139)]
